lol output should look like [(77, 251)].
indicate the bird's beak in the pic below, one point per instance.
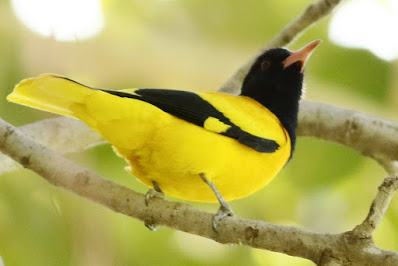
[(301, 55)]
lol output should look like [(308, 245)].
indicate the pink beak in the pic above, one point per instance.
[(301, 55)]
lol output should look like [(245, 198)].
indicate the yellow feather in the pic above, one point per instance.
[(49, 92), (160, 147), (215, 125)]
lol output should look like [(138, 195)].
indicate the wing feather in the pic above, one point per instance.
[(193, 108)]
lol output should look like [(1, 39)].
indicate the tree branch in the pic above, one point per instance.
[(371, 136), (313, 13), (378, 208), (64, 135), (289, 240)]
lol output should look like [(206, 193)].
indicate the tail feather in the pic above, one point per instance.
[(52, 93)]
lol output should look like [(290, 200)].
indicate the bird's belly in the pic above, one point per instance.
[(175, 154)]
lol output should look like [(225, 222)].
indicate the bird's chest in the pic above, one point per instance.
[(177, 153)]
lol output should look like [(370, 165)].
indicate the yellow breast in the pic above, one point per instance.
[(173, 152)]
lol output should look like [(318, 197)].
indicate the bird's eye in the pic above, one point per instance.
[(265, 65)]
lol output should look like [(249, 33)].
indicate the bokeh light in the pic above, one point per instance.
[(368, 24), (65, 20)]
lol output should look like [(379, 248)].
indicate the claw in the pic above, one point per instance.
[(151, 226), (153, 194), (156, 192), (223, 211)]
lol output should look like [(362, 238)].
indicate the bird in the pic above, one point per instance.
[(197, 146)]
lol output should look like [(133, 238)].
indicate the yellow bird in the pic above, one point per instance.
[(176, 140)]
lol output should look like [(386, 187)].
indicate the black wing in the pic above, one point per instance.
[(192, 108)]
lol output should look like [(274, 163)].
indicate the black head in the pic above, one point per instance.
[(276, 80)]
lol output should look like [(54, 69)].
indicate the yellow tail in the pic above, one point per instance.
[(50, 92)]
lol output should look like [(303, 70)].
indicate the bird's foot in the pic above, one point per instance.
[(156, 192), (224, 210)]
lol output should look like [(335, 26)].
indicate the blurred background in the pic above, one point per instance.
[(191, 45)]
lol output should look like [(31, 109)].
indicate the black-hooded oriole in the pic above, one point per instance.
[(170, 138)]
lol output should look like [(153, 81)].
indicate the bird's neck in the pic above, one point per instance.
[(288, 116)]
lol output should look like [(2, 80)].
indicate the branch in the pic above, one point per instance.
[(378, 208), (62, 134), (313, 13), (59, 171), (371, 136)]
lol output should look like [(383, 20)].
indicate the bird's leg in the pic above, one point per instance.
[(224, 209), (156, 192)]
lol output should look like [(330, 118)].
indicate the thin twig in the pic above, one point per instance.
[(313, 13), (378, 208)]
